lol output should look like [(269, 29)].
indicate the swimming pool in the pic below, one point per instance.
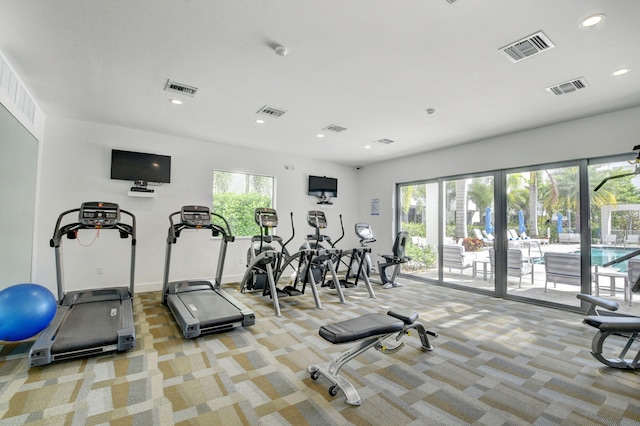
[(602, 254)]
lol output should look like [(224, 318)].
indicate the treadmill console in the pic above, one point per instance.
[(266, 218), (99, 214), (317, 219), (195, 216)]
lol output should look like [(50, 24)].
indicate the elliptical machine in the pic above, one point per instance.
[(365, 235), (265, 262)]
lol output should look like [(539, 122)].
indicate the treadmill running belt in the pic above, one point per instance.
[(210, 308), (88, 325)]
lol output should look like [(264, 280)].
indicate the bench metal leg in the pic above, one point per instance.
[(331, 371)]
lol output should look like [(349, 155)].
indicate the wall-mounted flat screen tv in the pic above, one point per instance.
[(322, 186), (139, 166)]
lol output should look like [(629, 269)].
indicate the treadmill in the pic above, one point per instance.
[(201, 306), (95, 321)]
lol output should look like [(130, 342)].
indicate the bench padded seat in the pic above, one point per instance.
[(367, 325), (611, 323)]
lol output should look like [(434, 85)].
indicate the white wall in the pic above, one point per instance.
[(601, 135), (76, 160)]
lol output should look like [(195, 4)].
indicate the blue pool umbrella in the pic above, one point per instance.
[(559, 223), (487, 222), (521, 227)]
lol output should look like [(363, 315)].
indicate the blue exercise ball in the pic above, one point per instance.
[(25, 310)]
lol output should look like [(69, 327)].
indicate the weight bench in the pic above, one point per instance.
[(371, 330), (625, 328)]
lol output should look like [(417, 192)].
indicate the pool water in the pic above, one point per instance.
[(602, 255)]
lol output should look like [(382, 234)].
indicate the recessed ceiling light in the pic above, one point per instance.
[(176, 101), (259, 121), (320, 135), (621, 71), (592, 20), (367, 146)]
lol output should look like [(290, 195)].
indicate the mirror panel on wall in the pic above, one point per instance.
[(18, 169)]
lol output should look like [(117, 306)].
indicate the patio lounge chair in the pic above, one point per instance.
[(569, 238), (562, 268), (478, 234), (609, 239), (454, 256), (517, 265), (632, 240)]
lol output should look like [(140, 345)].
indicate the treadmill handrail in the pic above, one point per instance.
[(59, 231)]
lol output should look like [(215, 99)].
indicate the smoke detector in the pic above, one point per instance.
[(384, 141)]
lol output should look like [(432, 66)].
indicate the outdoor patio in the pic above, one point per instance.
[(480, 276)]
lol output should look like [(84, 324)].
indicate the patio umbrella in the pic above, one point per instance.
[(487, 222), (559, 223), (521, 227)]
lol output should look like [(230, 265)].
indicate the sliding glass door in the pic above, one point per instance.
[(543, 234), (419, 217)]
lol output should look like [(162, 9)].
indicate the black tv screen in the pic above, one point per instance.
[(138, 166), (322, 186)]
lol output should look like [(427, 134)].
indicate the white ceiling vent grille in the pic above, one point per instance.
[(271, 111), (528, 46), (183, 89), (384, 141), (568, 86), (335, 128)]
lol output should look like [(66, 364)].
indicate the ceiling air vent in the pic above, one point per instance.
[(271, 111), (384, 141), (528, 46), (334, 128), (568, 86), (183, 89)]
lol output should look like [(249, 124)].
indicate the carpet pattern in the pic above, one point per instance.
[(496, 362)]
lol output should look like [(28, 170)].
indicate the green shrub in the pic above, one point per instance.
[(238, 210), (422, 257)]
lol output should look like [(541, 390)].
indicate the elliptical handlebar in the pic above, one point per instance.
[(341, 236)]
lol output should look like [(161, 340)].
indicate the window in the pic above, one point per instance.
[(237, 195)]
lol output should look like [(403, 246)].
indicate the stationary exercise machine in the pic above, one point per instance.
[(371, 330), (201, 306), (365, 236), (95, 321), (267, 262), (393, 261), (325, 259)]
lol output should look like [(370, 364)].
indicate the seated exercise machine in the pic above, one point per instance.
[(394, 261), (371, 330), (95, 321), (201, 306), (616, 332), (266, 263)]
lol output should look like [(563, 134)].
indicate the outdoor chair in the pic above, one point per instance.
[(454, 256), (517, 265), (632, 240)]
